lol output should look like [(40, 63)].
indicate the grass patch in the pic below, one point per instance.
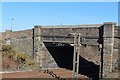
[(24, 60)]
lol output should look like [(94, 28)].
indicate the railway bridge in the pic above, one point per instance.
[(52, 46)]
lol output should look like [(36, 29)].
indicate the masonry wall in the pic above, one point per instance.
[(93, 31), (41, 54), (31, 42), (90, 52), (23, 41)]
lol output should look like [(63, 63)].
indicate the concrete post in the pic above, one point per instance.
[(37, 44), (108, 43), (76, 55), (8, 36)]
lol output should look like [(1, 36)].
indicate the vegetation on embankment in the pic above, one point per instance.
[(12, 59)]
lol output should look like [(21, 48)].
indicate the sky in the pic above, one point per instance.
[(60, 0), (119, 13), (28, 14)]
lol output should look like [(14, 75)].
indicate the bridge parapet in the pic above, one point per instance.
[(85, 40)]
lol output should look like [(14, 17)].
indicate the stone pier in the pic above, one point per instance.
[(108, 48)]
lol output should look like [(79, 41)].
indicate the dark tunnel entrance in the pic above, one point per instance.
[(63, 55)]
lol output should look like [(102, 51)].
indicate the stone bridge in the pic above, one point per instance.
[(51, 46)]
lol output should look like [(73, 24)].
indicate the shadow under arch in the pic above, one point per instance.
[(63, 56)]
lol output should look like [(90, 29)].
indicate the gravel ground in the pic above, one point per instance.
[(51, 73)]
